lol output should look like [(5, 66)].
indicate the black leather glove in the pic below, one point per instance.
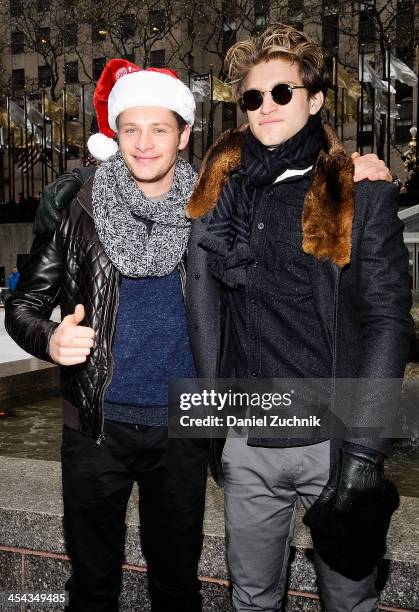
[(356, 479), (55, 197)]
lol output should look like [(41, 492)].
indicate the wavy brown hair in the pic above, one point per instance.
[(278, 41)]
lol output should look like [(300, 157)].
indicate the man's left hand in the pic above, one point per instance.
[(356, 479), (370, 167)]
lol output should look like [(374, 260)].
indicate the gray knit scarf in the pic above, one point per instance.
[(141, 237)]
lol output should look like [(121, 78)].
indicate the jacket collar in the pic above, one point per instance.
[(328, 205)]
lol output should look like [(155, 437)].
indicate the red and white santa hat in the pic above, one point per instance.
[(124, 85)]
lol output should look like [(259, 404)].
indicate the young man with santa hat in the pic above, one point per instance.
[(115, 267)]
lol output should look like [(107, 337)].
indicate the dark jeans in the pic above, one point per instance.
[(97, 483)]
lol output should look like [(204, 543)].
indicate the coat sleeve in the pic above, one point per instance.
[(385, 300), (28, 309)]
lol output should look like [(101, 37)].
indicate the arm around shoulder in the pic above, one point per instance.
[(384, 290)]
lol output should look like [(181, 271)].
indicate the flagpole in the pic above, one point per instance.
[(13, 166), (22, 167), (65, 125), (373, 120), (191, 137), (335, 86), (52, 149), (417, 110), (361, 139), (2, 146), (83, 109), (202, 131), (60, 156), (9, 148), (32, 165), (43, 143), (25, 114), (210, 137), (388, 103)]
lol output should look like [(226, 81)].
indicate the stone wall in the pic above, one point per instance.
[(33, 555)]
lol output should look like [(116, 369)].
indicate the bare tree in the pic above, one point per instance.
[(35, 21)]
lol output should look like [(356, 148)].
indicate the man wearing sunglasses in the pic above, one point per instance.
[(294, 272)]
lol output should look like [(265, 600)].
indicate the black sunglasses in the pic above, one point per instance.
[(281, 94)]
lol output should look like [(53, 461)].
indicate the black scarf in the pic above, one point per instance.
[(228, 235)]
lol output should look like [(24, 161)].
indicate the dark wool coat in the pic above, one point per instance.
[(359, 276)]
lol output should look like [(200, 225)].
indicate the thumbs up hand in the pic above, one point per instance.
[(71, 343)]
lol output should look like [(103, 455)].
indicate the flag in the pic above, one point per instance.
[(201, 87), (381, 106), (28, 157), (349, 105), (17, 114), (71, 104), (53, 110), (35, 121), (400, 71), (75, 133), (370, 76), (348, 82), (221, 92), (89, 109), (17, 120)]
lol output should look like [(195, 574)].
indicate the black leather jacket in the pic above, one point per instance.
[(71, 268)]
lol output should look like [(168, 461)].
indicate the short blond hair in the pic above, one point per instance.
[(278, 41)]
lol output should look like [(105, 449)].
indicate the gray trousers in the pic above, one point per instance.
[(262, 488)]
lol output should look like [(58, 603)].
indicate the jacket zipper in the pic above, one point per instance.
[(102, 435)]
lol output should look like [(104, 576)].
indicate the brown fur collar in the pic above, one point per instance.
[(328, 205)]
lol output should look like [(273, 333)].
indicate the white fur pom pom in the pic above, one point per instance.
[(102, 147)]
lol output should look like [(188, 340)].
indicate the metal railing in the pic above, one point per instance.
[(411, 240)]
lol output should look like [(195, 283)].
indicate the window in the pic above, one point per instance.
[(229, 116), (330, 7), (127, 27), (296, 13), (70, 35), (330, 35), (229, 34), (42, 38), (157, 21), (18, 80), (366, 28), (16, 8), (44, 76), (261, 14), (98, 65), (158, 58), (71, 72), (18, 43), (99, 32), (43, 5)]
